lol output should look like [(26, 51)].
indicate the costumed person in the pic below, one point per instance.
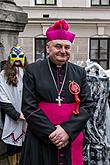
[(14, 124), (2, 63), (56, 104)]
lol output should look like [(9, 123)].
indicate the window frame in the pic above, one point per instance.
[(98, 60), (45, 54), (45, 3), (100, 3)]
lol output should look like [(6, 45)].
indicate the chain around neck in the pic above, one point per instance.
[(50, 69)]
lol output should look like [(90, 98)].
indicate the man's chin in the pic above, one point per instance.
[(61, 63)]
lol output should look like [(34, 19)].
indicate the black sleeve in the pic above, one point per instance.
[(9, 109), (40, 126), (37, 121), (77, 123)]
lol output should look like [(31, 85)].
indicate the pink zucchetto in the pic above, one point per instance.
[(59, 31)]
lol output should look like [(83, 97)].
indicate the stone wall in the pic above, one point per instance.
[(12, 21)]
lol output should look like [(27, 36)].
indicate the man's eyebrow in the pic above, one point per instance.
[(57, 44)]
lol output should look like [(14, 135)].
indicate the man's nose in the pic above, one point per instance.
[(63, 49)]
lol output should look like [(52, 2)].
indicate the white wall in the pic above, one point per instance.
[(74, 3), (84, 30), (31, 30), (60, 3), (22, 2)]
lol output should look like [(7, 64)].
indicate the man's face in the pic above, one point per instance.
[(59, 51)]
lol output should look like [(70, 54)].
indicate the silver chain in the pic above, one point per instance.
[(59, 92)]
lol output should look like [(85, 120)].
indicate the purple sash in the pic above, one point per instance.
[(59, 114)]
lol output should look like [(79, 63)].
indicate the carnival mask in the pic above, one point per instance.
[(17, 56)]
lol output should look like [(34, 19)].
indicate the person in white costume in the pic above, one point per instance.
[(14, 124)]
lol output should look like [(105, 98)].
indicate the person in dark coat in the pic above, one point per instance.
[(56, 103)]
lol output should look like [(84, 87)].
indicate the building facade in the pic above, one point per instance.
[(89, 20)]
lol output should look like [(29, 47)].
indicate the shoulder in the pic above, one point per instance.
[(35, 66), (2, 77), (2, 73), (76, 68)]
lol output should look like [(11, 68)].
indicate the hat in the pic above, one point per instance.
[(59, 31)]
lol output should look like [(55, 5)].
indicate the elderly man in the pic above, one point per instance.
[(56, 104)]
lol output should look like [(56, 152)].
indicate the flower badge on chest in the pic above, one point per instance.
[(74, 89)]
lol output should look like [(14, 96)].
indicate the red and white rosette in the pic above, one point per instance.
[(74, 88)]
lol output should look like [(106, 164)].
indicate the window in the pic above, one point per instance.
[(100, 2), (100, 51), (45, 2), (40, 48)]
